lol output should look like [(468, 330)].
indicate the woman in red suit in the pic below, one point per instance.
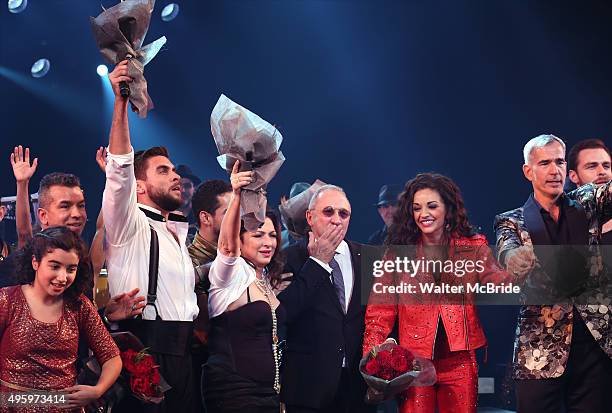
[(445, 328)]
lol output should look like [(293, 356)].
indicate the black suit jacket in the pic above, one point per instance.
[(320, 335)]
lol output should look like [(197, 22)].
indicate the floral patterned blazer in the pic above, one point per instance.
[(544, 332)]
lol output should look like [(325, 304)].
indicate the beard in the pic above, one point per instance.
[(164, 199)]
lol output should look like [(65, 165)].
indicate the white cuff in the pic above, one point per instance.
[(322, 264)]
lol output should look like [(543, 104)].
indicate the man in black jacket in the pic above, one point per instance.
[(325, 314)]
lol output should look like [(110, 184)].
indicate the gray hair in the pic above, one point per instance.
[(539, 142), (322, 189)]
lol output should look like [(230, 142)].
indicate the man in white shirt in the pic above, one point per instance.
[(141, 191)]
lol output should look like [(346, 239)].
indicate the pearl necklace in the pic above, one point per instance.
[(264, 287)]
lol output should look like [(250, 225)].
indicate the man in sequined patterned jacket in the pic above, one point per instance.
[(563, 344)]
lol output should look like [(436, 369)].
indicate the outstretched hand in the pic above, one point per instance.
[(101, 158), (125, 305), (240, 179), (20, 161), (520, 261)]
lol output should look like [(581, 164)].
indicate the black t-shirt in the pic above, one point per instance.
[(557, 231), (568, 262)]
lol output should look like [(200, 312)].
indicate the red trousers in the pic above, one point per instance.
[(456, 390)]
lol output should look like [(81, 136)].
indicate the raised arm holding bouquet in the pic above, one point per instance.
[(243, 369), (119, 32)]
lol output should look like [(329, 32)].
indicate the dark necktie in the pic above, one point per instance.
[(338, 282)]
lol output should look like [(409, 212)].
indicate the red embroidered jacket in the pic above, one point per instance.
[(421, 314)]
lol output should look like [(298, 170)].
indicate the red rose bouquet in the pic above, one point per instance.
[(390, 369), (144, 377), (140, 373), (140, 376)]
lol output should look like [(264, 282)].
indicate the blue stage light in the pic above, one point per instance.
[(102, 70), (170, 12), (17, 6), (40, 68)]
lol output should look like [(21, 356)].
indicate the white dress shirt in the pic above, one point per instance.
[(128, 239), (229, 279), (343, 258)]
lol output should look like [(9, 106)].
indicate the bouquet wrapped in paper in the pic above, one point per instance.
[(140, 372), (119, 32), (242, 135), (390, 369), (293, 211), (139, 377)]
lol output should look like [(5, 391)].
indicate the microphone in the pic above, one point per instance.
[(124, 88)]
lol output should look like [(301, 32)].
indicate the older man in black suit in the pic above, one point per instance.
[(325, 315)]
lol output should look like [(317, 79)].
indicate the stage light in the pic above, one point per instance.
[(102, 70), (40, 68), (17, 6), (170, 12)]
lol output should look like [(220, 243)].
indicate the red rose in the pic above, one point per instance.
[(154, 377), (141, 386), (144, 366), (401, 364), (372, 367), (381, 365), (128, 358), (387, 373), (389, 364), (385, 358), (406, 353), (402, 360)]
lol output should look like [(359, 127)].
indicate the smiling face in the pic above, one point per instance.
[(429, 212), (592, 166), (55, 272), (162, 187), (63, 206), (258, 247), (546, 170)]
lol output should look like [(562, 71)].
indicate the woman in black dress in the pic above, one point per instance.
[(242, 372)]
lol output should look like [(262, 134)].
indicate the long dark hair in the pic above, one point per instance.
[(404, 230), (275, 268), (44, 242)]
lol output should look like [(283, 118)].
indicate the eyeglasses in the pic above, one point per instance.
[(342, 212)]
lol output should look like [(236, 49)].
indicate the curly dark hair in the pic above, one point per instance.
[(275, 267), (46, 241), (404, 230)]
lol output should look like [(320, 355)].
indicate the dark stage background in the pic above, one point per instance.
[(364, 92)]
